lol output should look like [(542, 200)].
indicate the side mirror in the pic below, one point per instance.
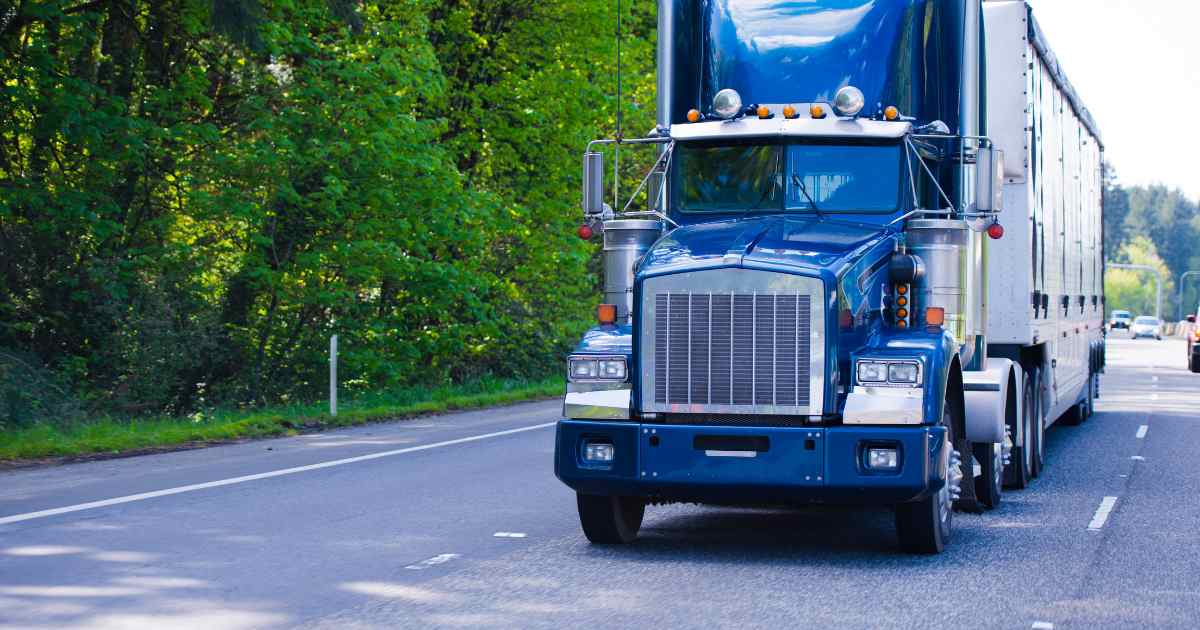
[(989, 180), (1191, 319), (593, 183)]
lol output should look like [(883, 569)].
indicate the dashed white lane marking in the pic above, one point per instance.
[(441, 558), (1153, 396), (1102, 512), (1138, 458), (91, 505), (1142, 431), (1042, 625), (509, 534)]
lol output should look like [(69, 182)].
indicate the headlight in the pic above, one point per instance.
[(597, 368), (612, 368), (903, 373), (872, 372)]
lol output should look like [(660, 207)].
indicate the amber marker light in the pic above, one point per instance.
[(789, 111), (901, 324), (935, 316), (891, 113), (606, 314), (902, 301), (816, 111), (763, 111), (693, 115), (902, 289), (902, 313)]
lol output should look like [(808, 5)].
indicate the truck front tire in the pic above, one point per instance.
[(608, 520), (924, 526)]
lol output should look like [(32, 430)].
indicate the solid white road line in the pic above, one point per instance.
[(509, 534), (91, 505), (1102, 512), (1042, 625), (1142, 431)]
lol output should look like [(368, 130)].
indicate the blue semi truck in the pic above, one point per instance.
[(868, 269)]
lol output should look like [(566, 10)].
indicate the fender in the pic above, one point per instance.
[(602, 400), (934, 350), (987, 394)]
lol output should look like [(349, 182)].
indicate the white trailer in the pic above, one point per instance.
[(1046, 275)]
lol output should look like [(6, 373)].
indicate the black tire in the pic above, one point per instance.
[(987, 484), (610, 520), (925, 526), (1089, 405), (1019, 471), (1039, 424)]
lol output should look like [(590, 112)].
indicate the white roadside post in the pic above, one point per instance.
[(333, 375)]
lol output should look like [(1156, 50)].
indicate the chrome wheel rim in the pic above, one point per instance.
[(952, 490), (998, 459)]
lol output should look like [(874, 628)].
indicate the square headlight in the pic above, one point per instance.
[(872, 372), (584, 369), (612, 368), (597, 368), (906, 373)]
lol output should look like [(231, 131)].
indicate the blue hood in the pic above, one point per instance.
[(804, 242)]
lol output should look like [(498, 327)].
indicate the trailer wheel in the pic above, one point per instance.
[(987, 484), (925, 526), (610, 520), (1020, 463), (1039, 424)]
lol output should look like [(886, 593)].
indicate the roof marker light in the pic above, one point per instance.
[(849, 101), (763, 111), (891, 113), (693, 115), (816, 111), (789, 111)]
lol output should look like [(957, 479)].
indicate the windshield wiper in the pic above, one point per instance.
[(770, 189), (799, 181)]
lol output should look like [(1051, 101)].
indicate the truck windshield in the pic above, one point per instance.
[(844, 178), (746, 178), (731, 178)]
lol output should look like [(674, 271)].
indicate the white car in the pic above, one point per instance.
[(1145, 326)]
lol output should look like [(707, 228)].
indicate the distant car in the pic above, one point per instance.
[(1193, 342), (1145, 326), (1120, 320)]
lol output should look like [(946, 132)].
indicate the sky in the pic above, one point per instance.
[(1136, 65)]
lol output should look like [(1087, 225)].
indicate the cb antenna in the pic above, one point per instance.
[(617, 146)]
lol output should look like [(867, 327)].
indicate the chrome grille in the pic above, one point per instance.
[(732, 341), (707, 353)]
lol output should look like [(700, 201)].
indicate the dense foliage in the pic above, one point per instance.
[(195, 194), (1154, 226)]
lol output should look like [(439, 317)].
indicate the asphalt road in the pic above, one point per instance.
[(401, 531)]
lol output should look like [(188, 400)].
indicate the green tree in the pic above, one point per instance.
[(1135, 290)]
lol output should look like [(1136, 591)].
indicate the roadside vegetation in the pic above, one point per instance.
[(109, 435), (196, 194)]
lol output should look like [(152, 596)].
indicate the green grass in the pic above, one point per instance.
[(120, 435)]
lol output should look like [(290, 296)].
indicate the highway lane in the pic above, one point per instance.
[(409, 540)]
